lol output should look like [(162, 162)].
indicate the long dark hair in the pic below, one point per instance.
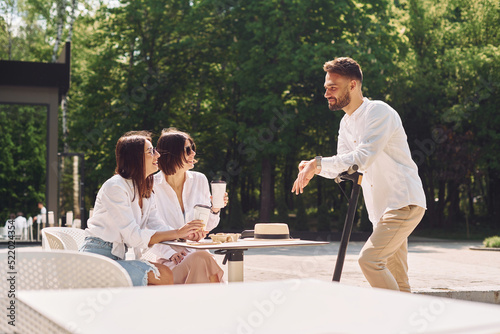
[(170, 145), (130, 161)]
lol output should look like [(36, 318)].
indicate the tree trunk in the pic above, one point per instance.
[(441, 204), (266, 191), (245, 198), (76, 187), (61, 10), (288, 179), (470, 200), (9, 29), (319, 187), (74, 3), (494, 199), (431, 213), (454, 204), (64, 102)]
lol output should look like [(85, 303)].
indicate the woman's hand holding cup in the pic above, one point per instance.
[(217, 209), (190, 228), (219, 195), (198, 235)]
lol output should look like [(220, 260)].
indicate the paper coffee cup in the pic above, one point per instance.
[(201, 212), (218, 191)]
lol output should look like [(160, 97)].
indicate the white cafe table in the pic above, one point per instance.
[(290, 306), (233, 251)]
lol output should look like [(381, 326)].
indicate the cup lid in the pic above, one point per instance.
[(218, 181), (203, 206)]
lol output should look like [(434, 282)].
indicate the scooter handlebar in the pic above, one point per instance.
[(351, 170)]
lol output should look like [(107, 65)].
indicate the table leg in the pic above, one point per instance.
[(235, 271), (235, 266)]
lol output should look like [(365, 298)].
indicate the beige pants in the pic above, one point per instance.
[(383, 258), (196, 267)]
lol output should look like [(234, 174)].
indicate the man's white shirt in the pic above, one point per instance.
[(373, 138)]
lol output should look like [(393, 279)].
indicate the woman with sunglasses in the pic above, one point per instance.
[(178, 190), (125, 205)]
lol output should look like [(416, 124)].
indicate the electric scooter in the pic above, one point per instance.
[(353, 175)]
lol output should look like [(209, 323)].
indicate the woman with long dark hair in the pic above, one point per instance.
[(178, 190), (125, 213)]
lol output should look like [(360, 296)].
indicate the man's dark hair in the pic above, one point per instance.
[(346, 67)]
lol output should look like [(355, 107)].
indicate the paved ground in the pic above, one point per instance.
[(433, 266), (437, 265)]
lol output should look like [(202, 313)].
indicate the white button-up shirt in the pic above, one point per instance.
[(373, 138), (196, 191), (119, 219)]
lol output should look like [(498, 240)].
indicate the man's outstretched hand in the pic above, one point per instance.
[(307, 169)]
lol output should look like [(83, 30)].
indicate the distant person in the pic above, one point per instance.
[(372, 136), (12, 217), (21, 225), (178, 190), (125, 213), (42, 217)]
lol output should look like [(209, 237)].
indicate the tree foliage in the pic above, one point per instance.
[(22, 148), (245, 79)]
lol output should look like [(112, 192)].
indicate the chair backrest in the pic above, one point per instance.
[(38, 270), (51, 241), (30, 229), (51, 221), (77, 223), (78, 236), (20, 224), (149, 256), (69, 218), (68, 242)]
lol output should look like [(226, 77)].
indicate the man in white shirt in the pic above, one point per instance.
[(372, 136), (21, 224), (41, 218)]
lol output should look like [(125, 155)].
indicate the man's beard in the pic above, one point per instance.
[(341, 102)]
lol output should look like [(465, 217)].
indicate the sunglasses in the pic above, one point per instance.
[(189, 149)]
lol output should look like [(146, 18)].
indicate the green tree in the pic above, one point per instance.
[(22, 167), (446, 92), (275, 53)]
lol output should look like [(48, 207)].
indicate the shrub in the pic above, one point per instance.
[(492, 242)]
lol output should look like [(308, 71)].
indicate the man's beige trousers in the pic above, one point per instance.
[(383, 258)]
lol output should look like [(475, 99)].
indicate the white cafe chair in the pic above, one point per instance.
[(69, 218), (19, 233), (77, 223), (50, 214), (30, 229), (3, 232), (148, 255), (51, 241), (67, 238), (38, 270), (20, 228)]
